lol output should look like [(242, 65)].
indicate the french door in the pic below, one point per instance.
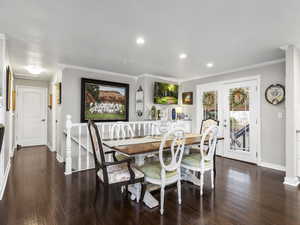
[(240, 121), (235, 106)]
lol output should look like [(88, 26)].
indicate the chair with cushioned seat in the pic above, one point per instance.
[(166, 171), (120, 173), (203, 161)]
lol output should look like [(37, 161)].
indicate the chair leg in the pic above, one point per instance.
[(201, 183), (212, 179), (179, 191), (138, 192), (144, 187), (162, 199)]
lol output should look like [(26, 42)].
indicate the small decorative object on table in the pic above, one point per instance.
[(275, 94), (173, 114), (153, 113)]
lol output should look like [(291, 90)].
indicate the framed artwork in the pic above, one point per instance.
[(8, 88), (275, 94), (50, 101), (187, 98), (58, 93), (104, 101), (13, 100)]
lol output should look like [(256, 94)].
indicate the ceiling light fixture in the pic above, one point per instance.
[(140, 41), (34, 69), (183, 56), (209, 64)]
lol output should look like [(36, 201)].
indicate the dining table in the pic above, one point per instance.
[(141, 147)]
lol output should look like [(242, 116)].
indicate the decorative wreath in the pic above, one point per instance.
[(209, 99), (238, 97)]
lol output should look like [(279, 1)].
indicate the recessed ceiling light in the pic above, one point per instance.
[(34, 69), (140, 41), (209, 64), (182, 56)]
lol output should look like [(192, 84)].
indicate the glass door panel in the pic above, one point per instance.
[(240, 116), (210, 105)]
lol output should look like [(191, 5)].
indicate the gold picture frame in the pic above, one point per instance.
[(58, 93)]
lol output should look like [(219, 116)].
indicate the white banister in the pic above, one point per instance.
[(88, 149), (79, 148), (68, 166)]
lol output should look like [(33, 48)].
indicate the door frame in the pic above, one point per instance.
[(18, 87), (219, 84)]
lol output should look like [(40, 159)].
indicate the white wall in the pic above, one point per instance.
[(5, 118), (71, 92), (272, 127)]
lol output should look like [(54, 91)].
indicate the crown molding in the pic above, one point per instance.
[(235, 70), (177, 80), (2, 37), (160, 77), (65, 66)]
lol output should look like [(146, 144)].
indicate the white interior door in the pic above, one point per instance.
[(31, 116), (241, 120)]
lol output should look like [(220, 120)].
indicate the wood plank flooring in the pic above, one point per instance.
[(38, 193)]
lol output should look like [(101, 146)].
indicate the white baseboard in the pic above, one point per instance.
[(50, 147), (2, 189), (59, 158), (293, 181), (272, 166)]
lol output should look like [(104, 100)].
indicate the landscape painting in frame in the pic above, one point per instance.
[(104, 101)]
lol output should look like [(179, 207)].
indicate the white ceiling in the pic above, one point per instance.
[(101, 34)]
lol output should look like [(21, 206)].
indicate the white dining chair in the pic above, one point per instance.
[(166, 171), (121, 130), (203, 161)]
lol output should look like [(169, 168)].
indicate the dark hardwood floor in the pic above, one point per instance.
[(38, 193)]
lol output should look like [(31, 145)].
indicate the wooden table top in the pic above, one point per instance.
[(142, 148)]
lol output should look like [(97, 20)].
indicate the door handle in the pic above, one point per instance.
[(43, 120)]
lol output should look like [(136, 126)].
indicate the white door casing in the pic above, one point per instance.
[(31, 116)]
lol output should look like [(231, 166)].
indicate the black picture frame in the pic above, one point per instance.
[(84, 81), (8, 87)]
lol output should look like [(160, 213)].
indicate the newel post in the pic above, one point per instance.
[(68, 165)]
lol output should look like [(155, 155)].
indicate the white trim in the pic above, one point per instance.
[(160, 77), (272, 166), (65, 66), (50, 147), (293, 181), (59, 158), (2, 37), (5, 180), (177, 80), (235, 70)]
